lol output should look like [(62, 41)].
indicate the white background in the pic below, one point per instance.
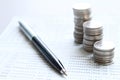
[(103, 10)]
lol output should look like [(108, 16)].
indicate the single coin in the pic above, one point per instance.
[(78, 33), (103, 53), (92, 25), (78, 22), (78, 36), (82, 10), (103, 45), (88, 48), (79, 41), (83, 17), (79, 19), (78, 29), (81, 6), (89, 42), (93, 32), (93, 37), (93, 29), (104, 57), (105, 63)]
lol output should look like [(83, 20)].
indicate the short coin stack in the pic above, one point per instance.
[(82, 13), (93, 32), (103, 52)]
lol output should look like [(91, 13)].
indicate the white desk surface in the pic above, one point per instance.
[(59, 14), (18, 58)]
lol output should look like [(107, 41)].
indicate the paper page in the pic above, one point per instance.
[(19, 60)]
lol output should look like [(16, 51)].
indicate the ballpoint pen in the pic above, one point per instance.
[(42, 48)]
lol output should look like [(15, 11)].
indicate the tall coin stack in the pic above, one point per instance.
[(103, 52), (82, 12), (93, 32)]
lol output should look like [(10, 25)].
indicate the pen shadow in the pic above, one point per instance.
[(40, 55)]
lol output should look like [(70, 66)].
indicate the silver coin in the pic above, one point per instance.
[(88, 48), (89, 42), (104, 57), (78, 36), (102, 60), (82, 7), (78, 29), (79, 41), (85, 17), (105, 63), (81, 10), (95, 37), (103, 53), (93, 29), (93, 33), (78, 26), (79, 19), (82, 15), (103, 45), (78, 33), (78, 22), (92, 25)]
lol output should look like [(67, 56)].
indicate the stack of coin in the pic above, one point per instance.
[(93, 32), (82, 13), (103, 52)]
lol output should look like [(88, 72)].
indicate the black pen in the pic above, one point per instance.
[(43, 49)]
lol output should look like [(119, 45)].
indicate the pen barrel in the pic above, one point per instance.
[(45, 51), (26, 30)]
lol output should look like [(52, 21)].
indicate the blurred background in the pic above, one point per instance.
[(103, 10)]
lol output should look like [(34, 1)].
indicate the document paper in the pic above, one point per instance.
[(19, 59)]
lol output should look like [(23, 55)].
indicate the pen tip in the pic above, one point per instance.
[(63, 71)]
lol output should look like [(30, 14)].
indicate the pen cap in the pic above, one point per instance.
[(26, 30)]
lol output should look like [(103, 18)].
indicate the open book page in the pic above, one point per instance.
[(19, 60)]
